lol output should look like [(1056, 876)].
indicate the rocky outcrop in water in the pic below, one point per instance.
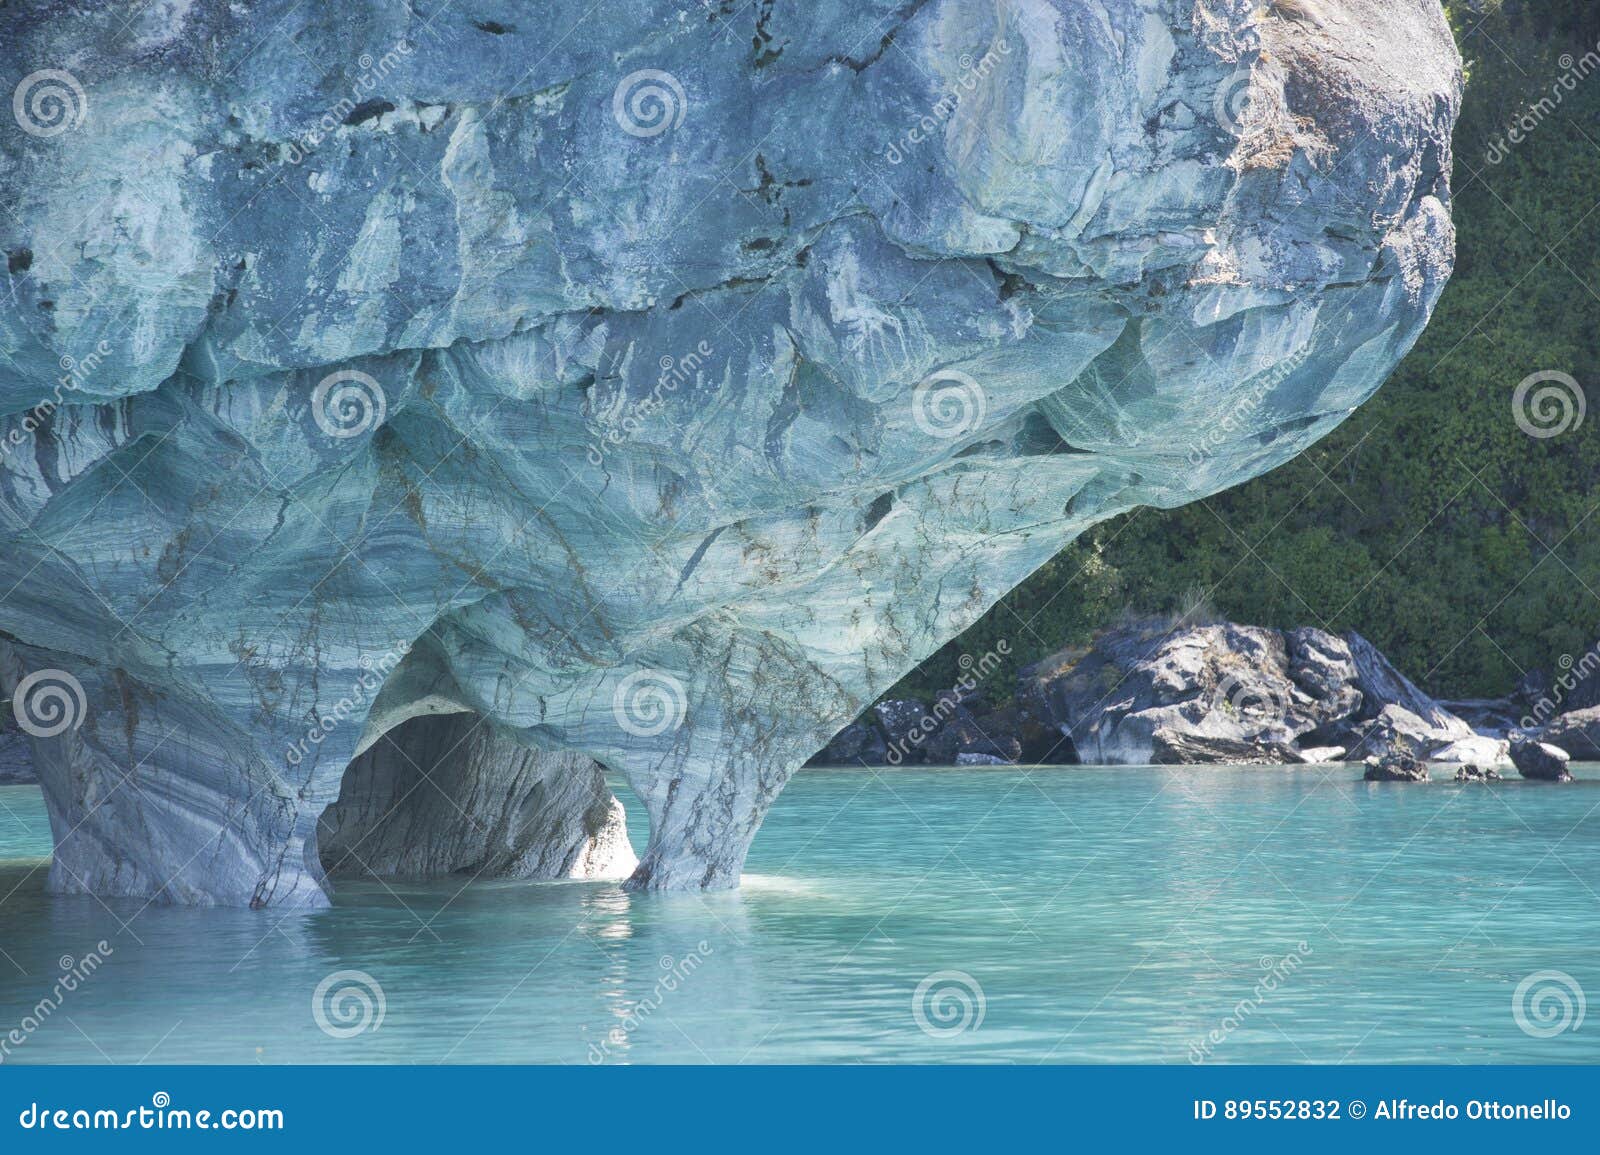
[(1539, 760), (1242, 694), (1577, 732), (1229, 686), (1153, 693), (657, 385), (1394, 766)]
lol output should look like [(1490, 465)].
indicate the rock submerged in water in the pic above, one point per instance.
[(661, 401), (1539, 760), (1395, 766)]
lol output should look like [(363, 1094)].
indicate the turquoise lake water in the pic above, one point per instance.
[(1056, 914)]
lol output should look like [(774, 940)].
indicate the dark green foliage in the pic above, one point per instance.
[(1465, 549)]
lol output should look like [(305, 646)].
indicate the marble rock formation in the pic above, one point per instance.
[(1152, 693), (16, 760), (1540, 760), (1577, 732), (653, 383), (1395, 766), (1231, 693)]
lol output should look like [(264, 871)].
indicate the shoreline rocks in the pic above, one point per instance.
[(1395, 766), (1540, 761), (1146, 693), (1577, 732)]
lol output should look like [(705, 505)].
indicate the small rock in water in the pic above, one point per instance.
[(1323, 753), (1540, 760), (1471, 773), (980, 760), (1395, 766)]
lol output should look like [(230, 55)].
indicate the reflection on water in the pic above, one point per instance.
[(979, 915)]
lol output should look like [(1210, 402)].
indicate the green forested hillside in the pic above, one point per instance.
[(1466, 549)]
